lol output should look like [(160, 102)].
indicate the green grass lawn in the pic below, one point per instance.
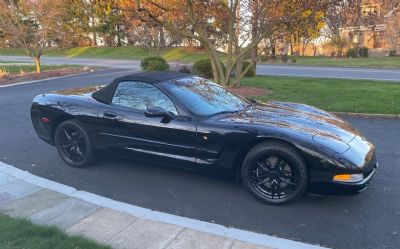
[(30, 68), (128, 52), (191, 54), (21, 234), (339, 95), (372, 62), (8, 62)]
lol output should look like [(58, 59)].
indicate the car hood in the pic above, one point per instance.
[(299, 118)]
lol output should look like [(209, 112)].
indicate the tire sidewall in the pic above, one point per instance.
[(286, 152)]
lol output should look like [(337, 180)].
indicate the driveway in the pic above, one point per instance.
[(283, 70), (369, 220)]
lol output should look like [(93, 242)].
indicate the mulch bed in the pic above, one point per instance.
[(17, 77), (247, 91)]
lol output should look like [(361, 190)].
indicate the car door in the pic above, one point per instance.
[(125, 126)]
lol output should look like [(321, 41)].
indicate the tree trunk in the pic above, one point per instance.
[(94, 41), (119, 43), (238, 73), (291, 49), (273, 48), (162, 37), (254, 29), (37, 63)]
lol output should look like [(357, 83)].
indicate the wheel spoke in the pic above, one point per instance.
[(279, 192), (79, 137), (79, 152), (288, 177), (67, 135), (268, 164), (263, 181), (263, 166), (290, 183), (273, 191), (278, 163)]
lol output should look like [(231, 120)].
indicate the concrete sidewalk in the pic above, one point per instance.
[(115, 223)]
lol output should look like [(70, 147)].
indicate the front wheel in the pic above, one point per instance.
[(73, 144), (275, 172)]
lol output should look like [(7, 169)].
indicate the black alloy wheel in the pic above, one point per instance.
[(73, 144), (275, 172)]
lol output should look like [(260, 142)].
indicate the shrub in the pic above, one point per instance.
[(155, 63), (3, 72), (392, 53), (357, 52), (252, 70), (284, 58), (352, 53), (203, 68), (363, 52)]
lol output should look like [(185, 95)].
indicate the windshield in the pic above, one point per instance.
[(204, 97)]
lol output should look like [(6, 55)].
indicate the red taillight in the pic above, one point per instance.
[(45, 120)]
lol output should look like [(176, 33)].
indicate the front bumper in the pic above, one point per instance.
[(343, 188)]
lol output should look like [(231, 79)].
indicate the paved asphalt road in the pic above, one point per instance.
[(369, 220), (301, 71)]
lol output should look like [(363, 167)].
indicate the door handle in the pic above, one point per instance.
[(112, 115)]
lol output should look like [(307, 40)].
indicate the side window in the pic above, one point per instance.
[(140, 96)]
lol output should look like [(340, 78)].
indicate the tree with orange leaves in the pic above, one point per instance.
[(225, 24), (32, 25)]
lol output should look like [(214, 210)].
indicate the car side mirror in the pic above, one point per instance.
[(154, 112), (252, 100)]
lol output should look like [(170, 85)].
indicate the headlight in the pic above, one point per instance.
[(348, 178)]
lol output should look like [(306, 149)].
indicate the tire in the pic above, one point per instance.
[(73, 144), (275, 172)]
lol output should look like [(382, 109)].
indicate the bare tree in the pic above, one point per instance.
[(147, 37), (32, 25)]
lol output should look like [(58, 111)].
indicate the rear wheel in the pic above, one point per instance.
[(73, 144), (275, 172)]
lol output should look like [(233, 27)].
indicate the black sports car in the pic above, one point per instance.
[(277, 149)]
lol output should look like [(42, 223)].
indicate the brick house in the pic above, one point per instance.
[(371, 31)]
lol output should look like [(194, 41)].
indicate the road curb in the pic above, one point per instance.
[(145, 213), (368, 115)]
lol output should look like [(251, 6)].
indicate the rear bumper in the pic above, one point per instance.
[(342, 188)]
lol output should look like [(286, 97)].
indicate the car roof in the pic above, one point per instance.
[(105, 94), (153, 77)]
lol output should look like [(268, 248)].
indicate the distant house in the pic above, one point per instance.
[(371, 29)]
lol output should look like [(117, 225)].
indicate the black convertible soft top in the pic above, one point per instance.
[(105, 94)]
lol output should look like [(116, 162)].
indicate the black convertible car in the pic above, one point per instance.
[(278, 150)]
